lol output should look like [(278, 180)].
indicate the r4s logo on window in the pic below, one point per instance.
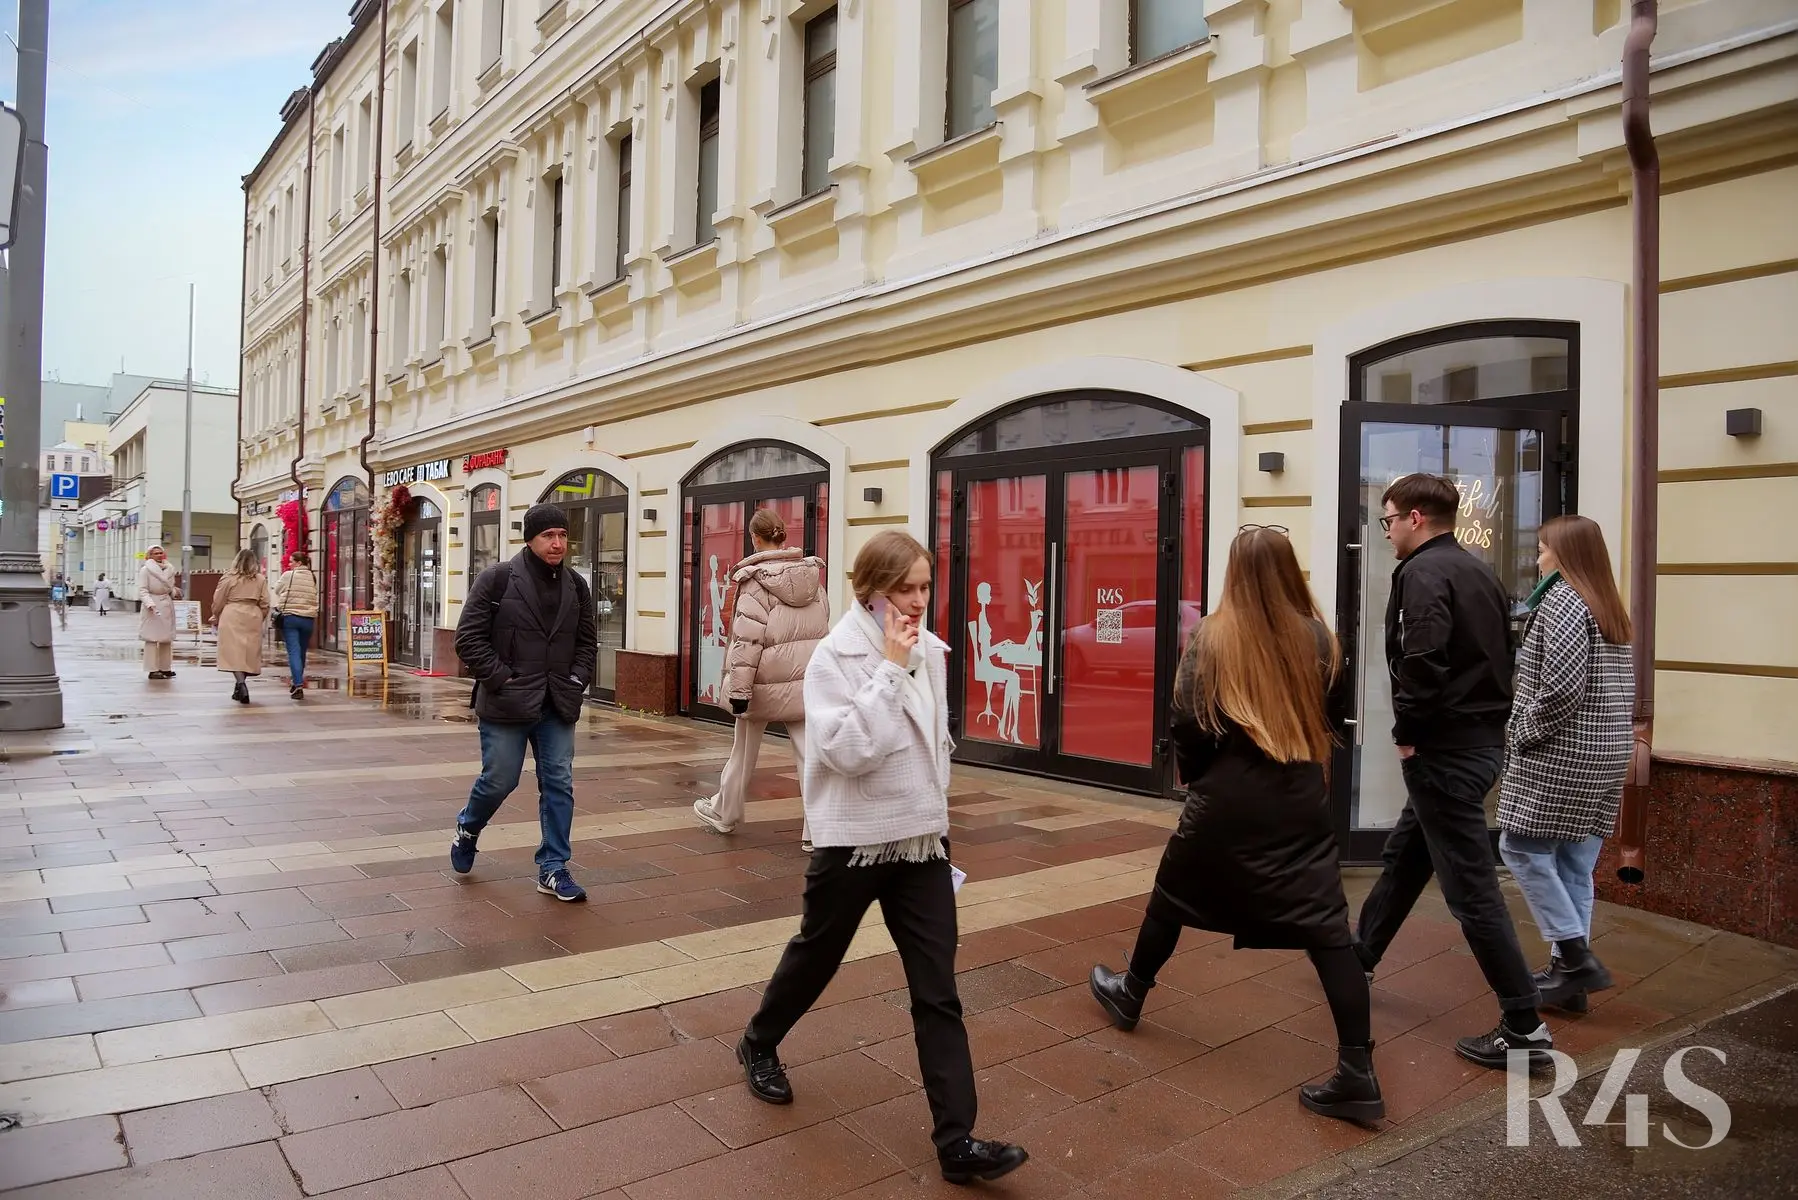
[(1109, 597)]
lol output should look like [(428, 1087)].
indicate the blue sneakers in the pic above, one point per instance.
[(560, 884), (462, 850)]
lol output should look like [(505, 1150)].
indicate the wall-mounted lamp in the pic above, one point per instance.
[(871, 495), (1272, 461), (1742, 422), (649, 515)]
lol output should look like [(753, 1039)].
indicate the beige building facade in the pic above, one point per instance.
[(1068, 290)]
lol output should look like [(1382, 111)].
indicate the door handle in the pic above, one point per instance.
[(1052, 584)]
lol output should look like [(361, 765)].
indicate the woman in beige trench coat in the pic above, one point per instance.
[(156, 596), (239, 609)]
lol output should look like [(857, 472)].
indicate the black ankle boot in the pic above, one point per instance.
[(1120, 994), (1558, 991), (1352, 1093), (1581, 966)]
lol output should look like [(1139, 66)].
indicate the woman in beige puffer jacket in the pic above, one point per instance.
[(778, 613)]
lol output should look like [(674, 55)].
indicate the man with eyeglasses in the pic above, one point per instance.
[(1449, 653)]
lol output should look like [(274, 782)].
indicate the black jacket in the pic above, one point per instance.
[(1448, 647), (526, 659), (1255, 852)]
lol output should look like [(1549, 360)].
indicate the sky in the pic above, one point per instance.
[(156, 111)]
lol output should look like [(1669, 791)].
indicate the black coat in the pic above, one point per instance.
[(527, 660), (1448, 647), (1255, 853)]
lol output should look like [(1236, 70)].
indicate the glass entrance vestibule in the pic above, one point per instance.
[(1070, 542), (1494, 408)]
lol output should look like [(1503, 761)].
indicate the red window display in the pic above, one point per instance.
[(721, 546), (1006, 607), (1109, 614), (1192, 540), (945, 553)]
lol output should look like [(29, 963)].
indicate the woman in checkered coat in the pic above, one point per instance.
[(1566, 750)]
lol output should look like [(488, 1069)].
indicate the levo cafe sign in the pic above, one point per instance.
[(426, 472)]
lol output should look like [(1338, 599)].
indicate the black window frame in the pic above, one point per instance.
[(949, 131), (622, 221), (816, 68), (711, 95), (556, 190)]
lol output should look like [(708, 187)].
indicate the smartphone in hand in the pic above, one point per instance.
[(880, 606)]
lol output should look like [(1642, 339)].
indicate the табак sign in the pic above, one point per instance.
[(368, 639)]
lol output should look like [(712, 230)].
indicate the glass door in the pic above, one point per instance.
[(723, 528), (417, 603), (608, 582), (1507, 467), (1064, 605)]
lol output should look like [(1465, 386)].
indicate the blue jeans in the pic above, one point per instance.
[(296, 632), (1556, 878), (502, 759)]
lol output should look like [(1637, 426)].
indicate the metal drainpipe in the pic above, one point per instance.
[(374, 266), (1645, 287), (243, 318), (293, 468)]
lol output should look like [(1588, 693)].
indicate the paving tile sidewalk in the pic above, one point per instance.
[(232, 962)]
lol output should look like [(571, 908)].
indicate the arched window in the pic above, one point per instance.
[(1070, 545), (259, 542), (343, 558), (598, 525), (718, 499)]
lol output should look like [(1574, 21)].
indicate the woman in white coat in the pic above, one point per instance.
[(156, 596), (102, 595), (877, 803)]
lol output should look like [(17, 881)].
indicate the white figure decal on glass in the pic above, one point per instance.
[(712, 638), (1014, 666)]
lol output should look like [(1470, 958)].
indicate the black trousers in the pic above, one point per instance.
[(1442, 832), (918, 903)]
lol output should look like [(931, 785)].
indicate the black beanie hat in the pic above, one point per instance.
[(542, 517)]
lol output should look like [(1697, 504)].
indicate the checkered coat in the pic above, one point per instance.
[(1568, 743)]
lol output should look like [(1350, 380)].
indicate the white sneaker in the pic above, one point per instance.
[(702, 809)]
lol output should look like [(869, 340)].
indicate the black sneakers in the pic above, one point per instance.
[(1494, 1049), (462, 850)]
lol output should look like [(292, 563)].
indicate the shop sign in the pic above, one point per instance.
[(368, 639), (289, 494), (131, 520), (257, 508), (480, 462), (102, 525), (426, 472)]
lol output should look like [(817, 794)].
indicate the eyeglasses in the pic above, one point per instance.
[(1386, 521), (1279, 529)]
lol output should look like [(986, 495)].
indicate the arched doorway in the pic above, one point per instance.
[(718, 499), (259, 546), (598, 508), (418, 592), (1070, 539), (1494, 407), (343, 544)]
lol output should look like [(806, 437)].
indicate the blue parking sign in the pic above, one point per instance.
[(65, 487)]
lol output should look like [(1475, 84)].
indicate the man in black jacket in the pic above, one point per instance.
[(528, 637), (1449, 653)]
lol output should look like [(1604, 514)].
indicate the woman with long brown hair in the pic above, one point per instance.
[(1566, 750), (1254, 855), (240, 607)]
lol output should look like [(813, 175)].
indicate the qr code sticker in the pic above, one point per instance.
[(1111, 627)]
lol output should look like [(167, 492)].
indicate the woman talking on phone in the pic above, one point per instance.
[(876, 792)]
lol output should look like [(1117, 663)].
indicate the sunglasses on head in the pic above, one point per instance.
[(1279, 529)]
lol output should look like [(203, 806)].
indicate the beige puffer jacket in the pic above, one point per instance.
[(780, 615)]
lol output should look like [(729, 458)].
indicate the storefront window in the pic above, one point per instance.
[(483, 529), (1069, 423), (597, 507), (1470, 370), (345, 565)]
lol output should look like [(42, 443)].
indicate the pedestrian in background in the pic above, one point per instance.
[(1259, 688), (240, 605), (1567, 749), (59, 599), (529, 638), (1448, 649), (876, 797), (296, 595), (778, 613), (156, 596), (102, 595)]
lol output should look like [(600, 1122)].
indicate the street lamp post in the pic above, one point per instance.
[(30, 692)]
